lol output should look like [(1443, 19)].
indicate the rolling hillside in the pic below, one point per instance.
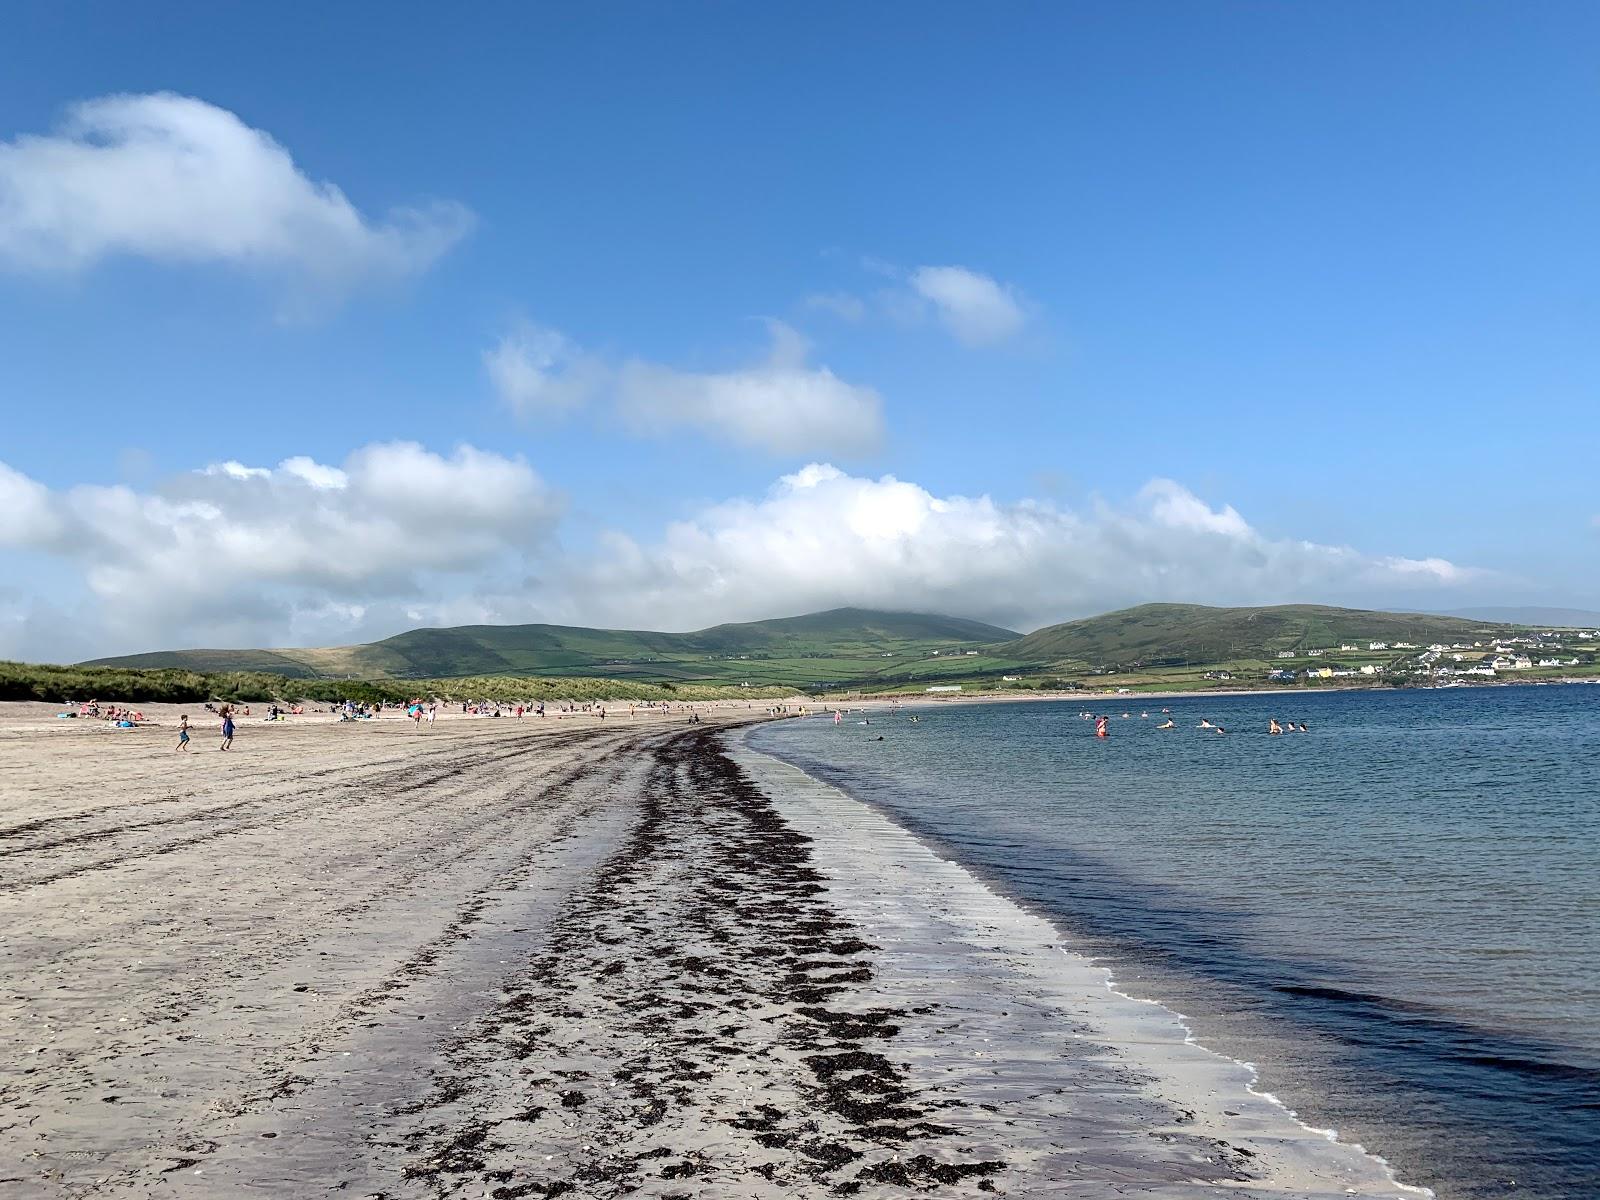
[(1157, 634), (845, 645)]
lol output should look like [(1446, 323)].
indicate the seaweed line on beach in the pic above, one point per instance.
[(695, 1015)]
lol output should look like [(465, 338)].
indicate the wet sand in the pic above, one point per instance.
[(569, 957)]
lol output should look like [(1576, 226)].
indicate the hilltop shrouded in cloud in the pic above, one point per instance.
[(782, 405), (398, 536), (176, 179), (822, 537)]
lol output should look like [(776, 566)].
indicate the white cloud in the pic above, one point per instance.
[(236, 553), (783, 404), (974, 307), (306, 553), (822, 538), (27, 514), (174, 179), (538, 371)]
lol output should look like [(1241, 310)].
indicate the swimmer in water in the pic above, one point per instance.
[(1274, 727), (1100, 730), (1168, 724), (1205, 724), (1220, 729)]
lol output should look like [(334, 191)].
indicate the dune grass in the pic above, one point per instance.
[(60, 684)]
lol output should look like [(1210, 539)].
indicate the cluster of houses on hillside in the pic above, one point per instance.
[(1497, 657)]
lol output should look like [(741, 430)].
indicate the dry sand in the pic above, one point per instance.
[(563, 957)]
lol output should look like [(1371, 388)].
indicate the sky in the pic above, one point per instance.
[(318, 323)]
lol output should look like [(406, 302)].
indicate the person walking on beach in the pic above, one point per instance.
[(227, 728), (183, 734)]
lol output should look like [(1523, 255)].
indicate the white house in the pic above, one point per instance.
[(1377, 645), (1369, 669), (1285, 653)]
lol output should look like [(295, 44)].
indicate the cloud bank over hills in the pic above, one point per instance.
[(398, 535)]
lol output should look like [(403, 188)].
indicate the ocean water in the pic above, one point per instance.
[(1394, 916)]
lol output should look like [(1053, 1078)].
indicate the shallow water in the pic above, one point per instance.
[(1394, 916)]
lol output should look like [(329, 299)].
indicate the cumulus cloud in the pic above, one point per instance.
[(234, 552), (975, 308), (822, 538), (306, 553), (782, 404), (175, 179)]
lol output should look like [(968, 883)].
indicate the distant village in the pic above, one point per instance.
[(1558, 650)]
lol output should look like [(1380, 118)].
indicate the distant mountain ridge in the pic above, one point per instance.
[(1153, 634), (852, 647), (1568, 618), (840, 643)]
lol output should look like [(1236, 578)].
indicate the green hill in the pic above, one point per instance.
[(845, 645), (1173, 634)]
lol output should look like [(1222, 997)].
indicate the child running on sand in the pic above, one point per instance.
[(183, 734), (227, 729)]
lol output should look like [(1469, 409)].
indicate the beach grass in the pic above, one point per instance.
[(62, 684)]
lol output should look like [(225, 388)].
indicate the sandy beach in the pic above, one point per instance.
[(512, 958)]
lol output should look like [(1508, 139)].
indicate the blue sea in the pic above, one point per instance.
[(1395, 916)]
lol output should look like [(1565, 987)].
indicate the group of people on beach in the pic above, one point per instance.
[(125, 718)]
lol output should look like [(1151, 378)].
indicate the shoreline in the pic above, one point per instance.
[(1206, 1094)]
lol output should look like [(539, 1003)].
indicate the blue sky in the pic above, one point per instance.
[(1327, 269)]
